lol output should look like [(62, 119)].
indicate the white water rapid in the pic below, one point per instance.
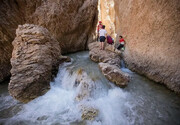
[(137, 104)]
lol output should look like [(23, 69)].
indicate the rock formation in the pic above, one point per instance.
[(107, 16), (152, 33), (89, 113), (112, 73), (35, 56), (98, 55), (71, 22), (109, 64)]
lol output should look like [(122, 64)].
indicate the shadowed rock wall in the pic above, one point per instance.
[(71, 22), (10, 17)]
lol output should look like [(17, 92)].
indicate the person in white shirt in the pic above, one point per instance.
[(102, 34)]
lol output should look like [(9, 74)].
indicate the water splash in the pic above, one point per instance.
[(58, 105), (141, 102)]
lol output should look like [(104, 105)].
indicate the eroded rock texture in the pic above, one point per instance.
[(89, 113), (152, 32), (104, 56), (109, 64), (71, 22), (114, 74), (35, 56)]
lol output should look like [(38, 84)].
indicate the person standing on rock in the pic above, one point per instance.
[(122, 43), (102, 34), (98, 29)]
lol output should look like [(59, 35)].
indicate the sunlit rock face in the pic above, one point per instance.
[(71, 22), (35, 56), (107, 15), (152, 33)]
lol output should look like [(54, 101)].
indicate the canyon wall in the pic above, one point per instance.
[(71, 22), (107, 15), (151, 29), (10, 17)]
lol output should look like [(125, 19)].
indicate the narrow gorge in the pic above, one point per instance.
[(152, 31), (52, 70)]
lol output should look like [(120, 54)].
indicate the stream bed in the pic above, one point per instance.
[(142, 102)]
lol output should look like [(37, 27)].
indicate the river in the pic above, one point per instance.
[(142, 102)]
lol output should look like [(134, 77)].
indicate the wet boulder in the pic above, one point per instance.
[(35, 57), (89, 113), (114, 74)]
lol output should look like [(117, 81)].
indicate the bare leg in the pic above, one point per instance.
[(103, 45)]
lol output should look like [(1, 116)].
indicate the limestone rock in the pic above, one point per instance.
[(71, 22), (151, 31), (107, 14), (114, 74), (109, 65), (88, 113), (104, 56), (35, 56)]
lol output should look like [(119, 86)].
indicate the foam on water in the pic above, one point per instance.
[(141, 102), (111, 108), (58, 105)]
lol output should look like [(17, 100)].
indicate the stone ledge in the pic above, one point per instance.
[(109, 64)]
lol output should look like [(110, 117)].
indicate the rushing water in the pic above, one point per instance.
[(141, 102)]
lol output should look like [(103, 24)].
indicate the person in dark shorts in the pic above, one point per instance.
[(102, 34)]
